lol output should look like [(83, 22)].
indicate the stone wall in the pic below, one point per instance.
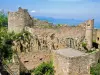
[(53, 39), (94, 35), (14, 67), (61, 65), (57, 38), (98, 36), (73, 62), (33, 59), (50, 38), (79, 66), (71, 65), (42, 24), (18, 20), (94, 57)]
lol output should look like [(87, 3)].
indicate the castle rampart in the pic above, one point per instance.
[(18, 20), (67, 61)]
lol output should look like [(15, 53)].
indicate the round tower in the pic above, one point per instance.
[(89, 33)]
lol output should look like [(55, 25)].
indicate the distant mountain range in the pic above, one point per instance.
[(63, 21)]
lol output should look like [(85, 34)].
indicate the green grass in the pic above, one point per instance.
[(95, 70)]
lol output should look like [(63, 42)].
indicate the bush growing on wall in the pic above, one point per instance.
[(84, 44), (44, 69), (6, 42), (95, 70)]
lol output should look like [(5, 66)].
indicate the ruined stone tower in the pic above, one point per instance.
[(89, 33), (18, 20)]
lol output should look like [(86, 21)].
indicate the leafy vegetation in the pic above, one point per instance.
[(58, 25), (90, 51), (95, 70), (5, 38), (21, 36), (84, 44), (44, 69), (3, 19), (46, 26), (5, 44), (94, 41)]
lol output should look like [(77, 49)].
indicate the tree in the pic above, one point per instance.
[(5, 38), (3, 19), (5, 43)]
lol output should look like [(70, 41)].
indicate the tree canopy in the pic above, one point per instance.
[(3, 19)]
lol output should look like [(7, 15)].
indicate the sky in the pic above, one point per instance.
[(69, 9)]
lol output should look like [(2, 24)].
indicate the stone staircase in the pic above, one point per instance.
[(8, 69), (13, 68)]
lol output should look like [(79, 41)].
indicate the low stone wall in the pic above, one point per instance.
[(33, 59), (61, 65), (79, 66), (94, 57), (72, 65)]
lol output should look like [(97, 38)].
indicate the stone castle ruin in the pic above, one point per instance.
[(51, 39), (67, 36)]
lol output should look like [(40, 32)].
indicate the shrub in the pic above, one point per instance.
[(84, 44), (44, 69), (95, 70), (58, 25), (5, 44), (21, 36), (94, 41)]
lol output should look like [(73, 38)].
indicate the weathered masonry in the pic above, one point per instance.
[(64, 41), (71, 62), (18, 20)]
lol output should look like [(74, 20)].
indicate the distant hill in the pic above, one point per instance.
[(64, 21), (59, 21)]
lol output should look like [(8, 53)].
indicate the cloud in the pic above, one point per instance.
[(33, 11)]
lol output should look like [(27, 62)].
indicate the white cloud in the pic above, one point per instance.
[(33, 11)]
